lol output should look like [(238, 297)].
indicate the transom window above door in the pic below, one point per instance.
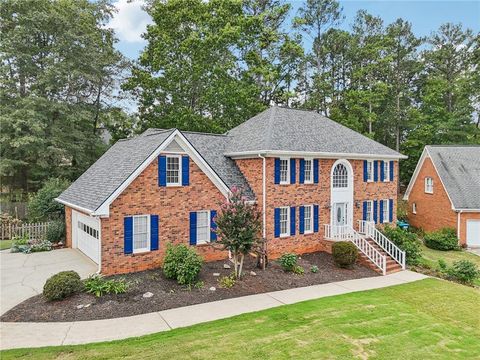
[(284, 171), (340, 176), (173, 170)]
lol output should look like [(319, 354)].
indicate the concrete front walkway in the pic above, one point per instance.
[(23, 275), (18, 335)]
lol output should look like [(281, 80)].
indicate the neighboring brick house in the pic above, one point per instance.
[(314, 180), (445, 191)]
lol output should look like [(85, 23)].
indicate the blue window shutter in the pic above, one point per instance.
[(277, 222), (277, 170), (128, 235), (302, 171), (193, 228), (315, 218), (375, 212), (185, 171), (392, 166), (162, 170), (293, 170), (301, 224), (153, 232), (292, 220), (382, 171), (375, 171), (213, 226), (364, 211), (381, 212), (365, 170), (390, 210), (315, 171)]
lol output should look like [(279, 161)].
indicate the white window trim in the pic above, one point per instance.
[(414, 208), (386, 171), (428, 190), (370, 174), (387, 209), (207, 241), (288, 181), (142, 250), (311, 220), (288, 222), (371, 212), (305, 180), (179, 183)]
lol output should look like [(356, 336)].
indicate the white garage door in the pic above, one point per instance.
[(86, 232), (473, 233)]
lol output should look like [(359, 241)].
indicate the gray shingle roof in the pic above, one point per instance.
[(296, 130), (101, 179), (459, 170)]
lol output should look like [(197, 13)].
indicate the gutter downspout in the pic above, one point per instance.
[(458, 224)]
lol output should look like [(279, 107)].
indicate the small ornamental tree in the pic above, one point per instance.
[(238, 227)]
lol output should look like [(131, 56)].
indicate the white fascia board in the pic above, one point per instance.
[(467, 210), (104, 209), (73, 206), (324, 155)]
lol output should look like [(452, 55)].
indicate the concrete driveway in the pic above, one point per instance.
[(23, 275)]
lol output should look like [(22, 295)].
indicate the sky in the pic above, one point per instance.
[(426, 16)]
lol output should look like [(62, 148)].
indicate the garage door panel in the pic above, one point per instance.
[(87, 230), (473, 233)]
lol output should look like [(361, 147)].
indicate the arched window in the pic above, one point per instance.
[(340, 176)]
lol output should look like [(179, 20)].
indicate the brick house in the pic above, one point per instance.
[(314, 180), (444, 191)]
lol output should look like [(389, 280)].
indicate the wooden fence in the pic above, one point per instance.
[(32, 230)]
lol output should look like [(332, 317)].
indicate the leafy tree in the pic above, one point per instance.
[(238, 227), (42, 205), (58, 71)]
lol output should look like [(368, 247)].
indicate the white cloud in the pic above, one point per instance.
[(130, 21)]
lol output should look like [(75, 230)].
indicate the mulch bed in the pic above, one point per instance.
[(167, 294)]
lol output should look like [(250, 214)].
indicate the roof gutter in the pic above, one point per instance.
[(325, 155), (76, 207)]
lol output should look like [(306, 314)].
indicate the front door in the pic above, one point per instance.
[(340, 214)]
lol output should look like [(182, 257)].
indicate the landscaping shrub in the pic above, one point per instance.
[(227, 281), (344, 253), (99, 286), (20, 244), (62, 285), (182, 264), (314, 269), (464, 271), (407, 241), (288, 261), (42, 245), (42, 206), (444, 239), (56, 232), (298, 270)]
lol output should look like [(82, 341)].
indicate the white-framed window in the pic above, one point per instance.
[(308, 219), (174, 163), (284, 171), (429, 185), (370, 170), (203, 227), (284, 221), (141, 233), (386, 211), (369, 211), (386, 171), (414, 208), (308, 171), (340, 176)]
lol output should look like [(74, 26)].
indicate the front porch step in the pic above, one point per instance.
[(392, 265)]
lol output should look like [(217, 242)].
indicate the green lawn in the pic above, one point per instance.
[(421, 320), (5, 244), (432, 256)]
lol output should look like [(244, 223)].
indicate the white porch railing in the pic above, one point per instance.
[(347, 233), (368, 228)]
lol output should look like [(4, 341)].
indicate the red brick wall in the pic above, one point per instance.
[(434, 211), (306, 194), (463, 225), (172, 204)]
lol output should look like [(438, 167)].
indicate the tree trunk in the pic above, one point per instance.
[(242, 256), (397, 127)]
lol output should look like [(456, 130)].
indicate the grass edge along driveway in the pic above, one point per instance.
[(426, 319)]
